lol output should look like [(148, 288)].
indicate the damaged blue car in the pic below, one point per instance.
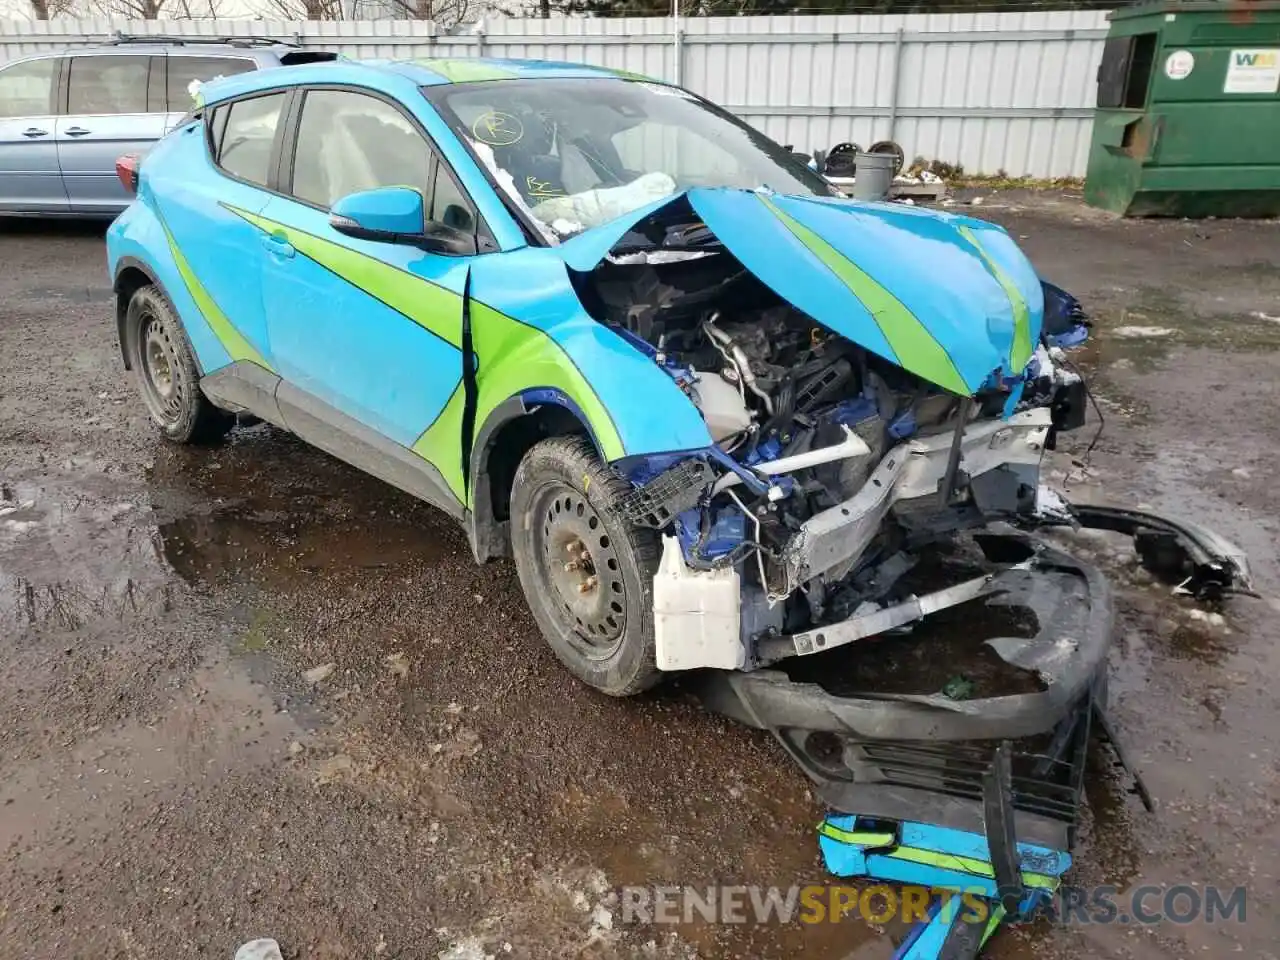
[(724, 419)]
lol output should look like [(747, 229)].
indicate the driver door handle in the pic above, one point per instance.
[(76, 131), (278, 246), (35, 132)]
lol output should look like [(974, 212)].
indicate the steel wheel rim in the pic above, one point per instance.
[(579, 570), (162, 373)]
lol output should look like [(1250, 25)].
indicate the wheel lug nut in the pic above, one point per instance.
[(588, 584), (571, 566)]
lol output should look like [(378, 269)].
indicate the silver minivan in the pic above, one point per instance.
[(66, 117)]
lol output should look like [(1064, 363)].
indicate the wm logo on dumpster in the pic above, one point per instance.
[(1257, 58)]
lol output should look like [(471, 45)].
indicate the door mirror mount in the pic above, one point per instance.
[(396, 215)]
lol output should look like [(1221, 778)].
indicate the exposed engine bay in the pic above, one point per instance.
[(834, 470)]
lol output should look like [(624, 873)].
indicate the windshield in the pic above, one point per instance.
[(576, 153)]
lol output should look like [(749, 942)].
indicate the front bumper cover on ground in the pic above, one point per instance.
[(922, 757), (998, 778)]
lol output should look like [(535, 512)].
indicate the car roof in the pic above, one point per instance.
[(423, 73), (247, 47), (436, 71)]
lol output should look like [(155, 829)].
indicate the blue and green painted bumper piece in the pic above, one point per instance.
[(940, 859)]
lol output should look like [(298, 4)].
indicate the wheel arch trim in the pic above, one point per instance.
[(123, 266), (488, 536)]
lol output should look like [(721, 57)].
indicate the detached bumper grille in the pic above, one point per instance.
[(1043, 785), (942, 781)]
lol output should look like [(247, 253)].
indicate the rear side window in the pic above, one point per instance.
[(183, 70), (243, 133), (26, 89), (108, 84)]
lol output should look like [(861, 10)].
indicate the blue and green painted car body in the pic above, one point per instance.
[(374, 330), (252, 315)]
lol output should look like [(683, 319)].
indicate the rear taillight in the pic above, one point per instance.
[(127, 170)]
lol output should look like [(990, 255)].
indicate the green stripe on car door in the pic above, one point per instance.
[(428, 304), (232, 340)]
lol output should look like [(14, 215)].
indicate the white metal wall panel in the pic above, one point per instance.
[(994, 92)]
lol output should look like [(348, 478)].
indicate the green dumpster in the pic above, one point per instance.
[(1188, 118)]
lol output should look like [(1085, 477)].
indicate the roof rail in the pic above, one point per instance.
[(234, 41)]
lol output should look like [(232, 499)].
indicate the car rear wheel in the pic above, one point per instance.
[(168, 377), (586, 573)]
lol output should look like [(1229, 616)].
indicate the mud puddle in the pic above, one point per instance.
[(945, 654), (266, 508)]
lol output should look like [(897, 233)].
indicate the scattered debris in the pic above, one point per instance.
[(320, 673), (958, 687), (334, 768), (296, 748), (398, 664), (601, 920), (1265, 316), (261, 949), (465, 744), (597, 882)]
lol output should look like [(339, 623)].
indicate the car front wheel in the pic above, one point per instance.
[(168, 377), (586, 573)]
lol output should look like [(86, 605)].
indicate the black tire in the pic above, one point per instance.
[(587, 575), (166, 370), (888, 146)]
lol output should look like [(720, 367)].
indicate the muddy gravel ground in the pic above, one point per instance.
[(247, 691)]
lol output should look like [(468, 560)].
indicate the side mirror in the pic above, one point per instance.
[(396, 215)]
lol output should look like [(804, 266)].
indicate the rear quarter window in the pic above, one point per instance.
[(242, 135)]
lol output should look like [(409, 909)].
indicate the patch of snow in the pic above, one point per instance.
[(263, 948), (1137, 332), (320, 674), (468, 948)]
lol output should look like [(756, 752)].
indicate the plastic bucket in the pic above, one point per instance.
[(873, 176)]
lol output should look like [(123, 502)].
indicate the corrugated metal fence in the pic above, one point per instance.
[(995, 92)]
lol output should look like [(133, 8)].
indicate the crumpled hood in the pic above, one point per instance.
[(949, 298)]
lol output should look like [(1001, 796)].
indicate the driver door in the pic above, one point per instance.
[(365, 334)]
